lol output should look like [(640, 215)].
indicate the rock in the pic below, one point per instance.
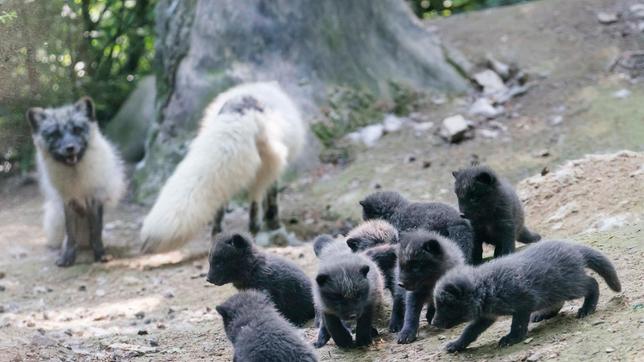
[(514, 91), (353, 137), (42, 290), (491, 82), (542, 153), (545, 171), (427, 164), (499, 68), (607, 18), (2, 288), (610, 350), (488, 133), (419, 117), (534, 357), (168, 294), (2, 275), (371, 134), (1, 309), (100, 292), (455, 128), (393, 123), (622, 93), (483, 107), (556, 120), (422, 127), (142, 332), (139, 315), (528, 340), (82, 288), (637, 10), (154, 342)]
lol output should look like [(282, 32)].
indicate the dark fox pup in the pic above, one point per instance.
[(537, 279), (376, 239), (424, 257), (258, 331), (235, 259), (347, 287), (432, 216), (494, 210)]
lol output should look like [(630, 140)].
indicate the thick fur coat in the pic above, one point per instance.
[(248, 136)]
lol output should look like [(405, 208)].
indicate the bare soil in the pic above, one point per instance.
[(161, 308)]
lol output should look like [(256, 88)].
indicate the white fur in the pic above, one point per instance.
[(98, 175), (231, 152)]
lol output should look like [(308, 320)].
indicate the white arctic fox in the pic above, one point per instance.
[(248, 136)]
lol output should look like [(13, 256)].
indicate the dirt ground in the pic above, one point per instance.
[(161, 308)]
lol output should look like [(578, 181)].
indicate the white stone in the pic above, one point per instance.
[(622, 93), (606, 17), (454, 128), (637, 10), (491, 82), (556, 120), (371, 134), (423, 126), (393, 123), (489, 133), (483, 107)]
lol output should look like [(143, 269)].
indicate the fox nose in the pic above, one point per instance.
[(70, 149)]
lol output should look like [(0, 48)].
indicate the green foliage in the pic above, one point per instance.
[(55, 51), (428, 9), (348, 110)]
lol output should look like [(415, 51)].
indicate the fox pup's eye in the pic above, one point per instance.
[(51, 133), (78, 130)]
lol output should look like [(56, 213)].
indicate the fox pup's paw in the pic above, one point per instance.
[(319, 343), (103, 258), (395, 325), (510, 340), (584, 312), (67, 258), (406, 336), (454, 346), (363, 340)]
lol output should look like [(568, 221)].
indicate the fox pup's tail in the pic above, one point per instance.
[(599, 263)]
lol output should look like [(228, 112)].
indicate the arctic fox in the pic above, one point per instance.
[(248, 136), (79, 172), (539, 279)]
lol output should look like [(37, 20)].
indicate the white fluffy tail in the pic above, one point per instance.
[(54, 223), (222, 161)]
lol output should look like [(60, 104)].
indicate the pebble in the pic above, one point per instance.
[(154, 342), (533, 357), (610, 350), (100, 293), (606, 17), (82, 288), (371, 134), (168, 294), (500, 68), (393, 123), (528, 340), (637, 10), (139, 315), (622, 93), (455, 128), (2, 275), (483, 107), (427, 164), (42, 290), (1, 309), (2, 288), (491, 82), (489, 133), (423, 126), (556, 120), (142, 332)]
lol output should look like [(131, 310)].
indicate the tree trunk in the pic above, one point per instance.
[(309, 46)]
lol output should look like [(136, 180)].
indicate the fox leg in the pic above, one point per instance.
[(271, 210), (95, 220), (547, 313), (75, 220), (219, 217), (526, 236), (253, 218), (592, 295), (518, 329)]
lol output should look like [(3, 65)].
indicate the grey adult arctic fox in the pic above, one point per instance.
[(539, 279), (248, 136), (258, 331), (79, 173)]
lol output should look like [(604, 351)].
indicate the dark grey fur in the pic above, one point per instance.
[(258, 331), (493, 208), (539, 279), (432, 216), (348, 286), (66, 131), (424, 257), (235, 259)]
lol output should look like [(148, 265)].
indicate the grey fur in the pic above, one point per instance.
[(493, 208), (432, 216), (423, 257), (347, 286), (539, 279), (235, 259), (258, 331)]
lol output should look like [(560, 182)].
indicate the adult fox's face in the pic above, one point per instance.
[(63, 132)]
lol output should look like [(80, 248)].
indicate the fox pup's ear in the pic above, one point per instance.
[(239, 241), (486, 178), (362, 203), (35, 116), (432, 246), (321, 279), (364, 270), (85, 106), (223, 312), (455, 174), (353, 244)]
